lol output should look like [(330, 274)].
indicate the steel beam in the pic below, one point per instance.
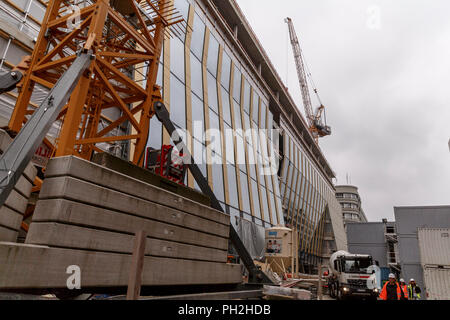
[(19, 153), (255, 274)]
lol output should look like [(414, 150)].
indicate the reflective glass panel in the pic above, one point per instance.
[(226, 69), (217, 175), (246, 96), (198, 37), (198, 120), (237, 85), (232, 186), (177, 58), (155, 134), (212, 93), (177, 102), (213, 55), (255, 110), (244, 191), (226, 107), (257, 210), (196, 77)]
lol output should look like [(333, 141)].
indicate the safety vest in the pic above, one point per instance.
[(405, 290), (412, 293), (383, 294)]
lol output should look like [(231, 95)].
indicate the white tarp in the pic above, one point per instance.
[(253, 237)]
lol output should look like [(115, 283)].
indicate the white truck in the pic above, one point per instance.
[(352, 275)]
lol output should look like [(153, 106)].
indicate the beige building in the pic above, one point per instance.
[(350, 201)]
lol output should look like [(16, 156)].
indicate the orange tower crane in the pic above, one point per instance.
[(123, 36)]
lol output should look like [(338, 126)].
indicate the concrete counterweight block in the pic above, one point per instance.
[(11, 213)]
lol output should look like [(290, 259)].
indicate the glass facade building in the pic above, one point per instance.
[(215, 101), (241, 126)]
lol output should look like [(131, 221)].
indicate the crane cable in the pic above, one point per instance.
[(316, 92), (309, 74)]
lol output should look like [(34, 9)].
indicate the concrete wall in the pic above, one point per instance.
[(337, 224), (368, 238), (330, 243), (408, 220)]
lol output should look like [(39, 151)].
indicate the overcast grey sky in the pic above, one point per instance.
[(385, 81)]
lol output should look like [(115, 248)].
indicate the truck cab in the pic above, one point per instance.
[(352, 276)]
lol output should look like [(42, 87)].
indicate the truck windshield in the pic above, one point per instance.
[(357, 265)]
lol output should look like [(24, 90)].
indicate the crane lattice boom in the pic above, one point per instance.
[(314, 119), (301, 72)]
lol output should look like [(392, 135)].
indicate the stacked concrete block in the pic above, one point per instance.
[(87, 215), (11, 213)]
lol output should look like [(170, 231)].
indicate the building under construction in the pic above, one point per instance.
[(82, 207)]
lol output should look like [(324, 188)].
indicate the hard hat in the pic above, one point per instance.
[(391, 275), (402, 280), (412, 280)]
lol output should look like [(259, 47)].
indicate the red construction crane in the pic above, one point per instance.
[(317, 126)]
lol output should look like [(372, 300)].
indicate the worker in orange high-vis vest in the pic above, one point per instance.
[(391, 289), (404, 288)]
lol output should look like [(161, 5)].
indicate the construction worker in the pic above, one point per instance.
[(391, 290), (413, 290), (404, 288)]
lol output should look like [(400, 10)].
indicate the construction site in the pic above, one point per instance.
[(150, 150)]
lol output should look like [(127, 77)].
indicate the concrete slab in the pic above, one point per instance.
[(128, 168), (229, 295), (8, 234), (296, 294), (23, 186), (81, 191), (10, 218), (16, 201), (88, 171), (5, 140), (22, 266), (16, 204), (69, 236), (75, 213), (30, 172)]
